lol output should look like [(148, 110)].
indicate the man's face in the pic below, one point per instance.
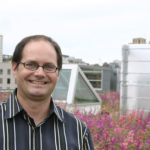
[(36, 84)]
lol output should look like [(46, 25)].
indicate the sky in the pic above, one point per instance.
[(91, 30)]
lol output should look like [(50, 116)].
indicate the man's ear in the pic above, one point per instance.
[(14, 68)]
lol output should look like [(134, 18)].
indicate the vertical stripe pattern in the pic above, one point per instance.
[(59, 131)]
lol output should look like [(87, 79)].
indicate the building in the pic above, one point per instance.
[(139, 41), (72, 60), (7, 81), (135, 78), (102, 78)]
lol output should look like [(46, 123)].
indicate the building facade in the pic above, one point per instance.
[(139, 41), (7, 81), (102, 78)]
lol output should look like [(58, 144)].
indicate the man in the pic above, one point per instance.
[(29, 119)]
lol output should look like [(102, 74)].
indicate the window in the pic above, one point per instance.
[(8, 80), (96, 84), (1, 71), (61, 90), (1, 80), (74, 87), (8, 71), (83, 92)]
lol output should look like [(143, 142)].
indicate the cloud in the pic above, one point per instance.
[(94, 27)]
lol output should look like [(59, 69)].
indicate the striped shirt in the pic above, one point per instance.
[(59, 131)]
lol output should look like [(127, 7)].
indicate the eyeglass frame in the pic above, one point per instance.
[(36, 68)]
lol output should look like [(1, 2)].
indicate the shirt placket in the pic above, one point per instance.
[(32, 133)]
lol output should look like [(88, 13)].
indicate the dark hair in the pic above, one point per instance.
[(17, 55)]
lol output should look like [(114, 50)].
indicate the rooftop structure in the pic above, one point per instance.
[(135, 78), (74, 88), (139, 41)]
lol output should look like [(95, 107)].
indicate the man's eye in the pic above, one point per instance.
[(31, 65), (49, 67)]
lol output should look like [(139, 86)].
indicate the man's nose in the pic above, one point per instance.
[(40, 71)]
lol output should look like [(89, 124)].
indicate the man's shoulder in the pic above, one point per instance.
[(3, 103), (70, 118)]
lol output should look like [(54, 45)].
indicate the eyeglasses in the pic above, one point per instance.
[(48, 68)]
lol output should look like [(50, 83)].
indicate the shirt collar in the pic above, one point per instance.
[(13, 107), (57, 111)]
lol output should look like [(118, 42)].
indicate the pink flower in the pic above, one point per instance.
[(148, 125), (117, 130)]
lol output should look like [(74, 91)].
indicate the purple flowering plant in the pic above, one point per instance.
[(112, 130)]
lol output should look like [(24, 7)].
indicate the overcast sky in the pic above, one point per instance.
[(93, 30)]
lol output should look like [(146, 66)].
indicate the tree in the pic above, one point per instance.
[(105, 64)]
